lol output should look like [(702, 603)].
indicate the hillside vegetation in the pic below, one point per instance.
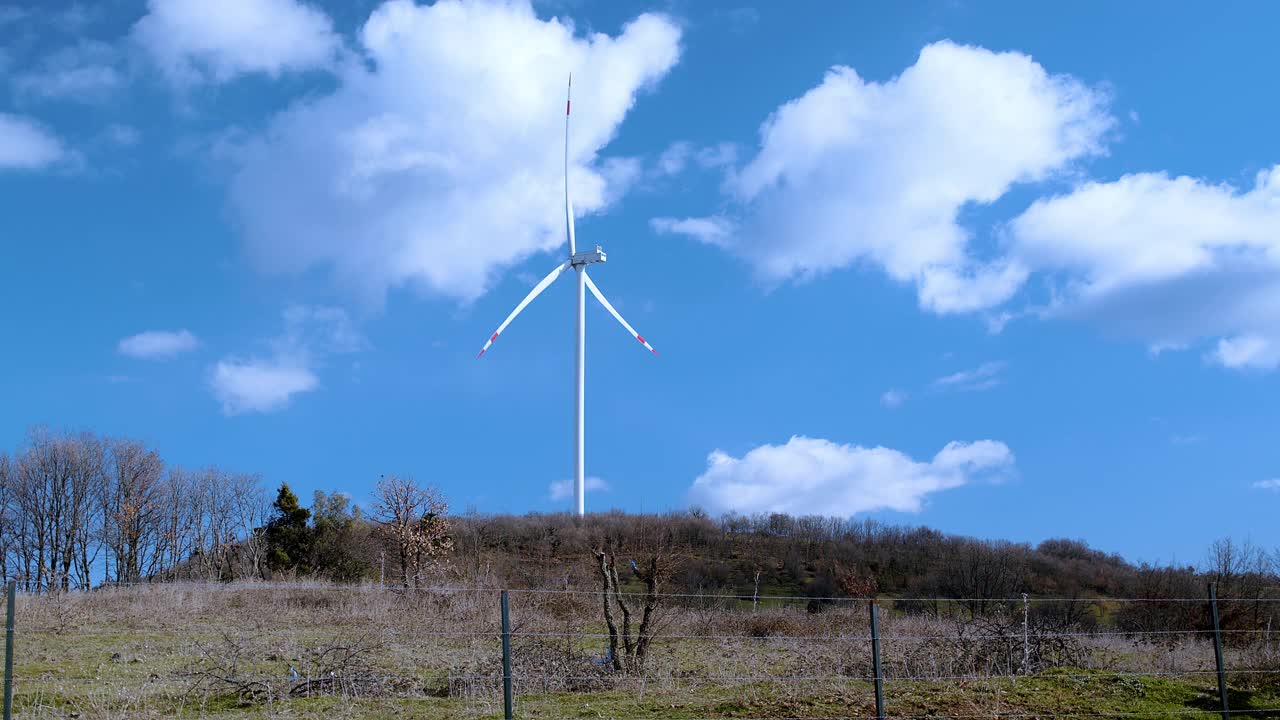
[(78, 510)]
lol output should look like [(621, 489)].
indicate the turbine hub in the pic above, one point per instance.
[(587, 258)]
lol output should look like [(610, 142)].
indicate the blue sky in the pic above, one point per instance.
[(1006, 270)]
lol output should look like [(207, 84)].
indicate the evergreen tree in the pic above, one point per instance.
[(289, 536)]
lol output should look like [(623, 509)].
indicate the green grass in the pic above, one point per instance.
[(1041, 696), (1062, 693)]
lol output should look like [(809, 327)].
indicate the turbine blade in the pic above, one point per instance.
[(535, 292), (568, 204), (607, 306)]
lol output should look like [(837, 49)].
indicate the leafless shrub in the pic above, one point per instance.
[(235, 664), (772, 624), (999, 643)]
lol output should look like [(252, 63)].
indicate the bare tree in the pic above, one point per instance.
[(215, 522), (413, 519), (653, 572), (54, 491), (83, 541), (131, 509), (8, 530), (250, 508), (179, 519)]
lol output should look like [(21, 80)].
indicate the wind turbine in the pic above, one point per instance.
[(578, 262)]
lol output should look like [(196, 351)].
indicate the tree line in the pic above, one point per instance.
[(79, 510)]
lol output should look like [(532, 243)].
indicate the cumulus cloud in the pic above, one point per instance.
[(1272, 484), (1169, 260), (262, 386), (860, 171), (983, 377), (812, 476), (864, 172), (27, 145), (563, 489), (269, 382), (158, 344), (438, 161), (192, 40)]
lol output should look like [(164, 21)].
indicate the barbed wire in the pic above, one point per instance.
[(625, 678), (745, 597), (494, 633), (996, 715)]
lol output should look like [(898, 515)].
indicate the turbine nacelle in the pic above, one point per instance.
[(587, 258)]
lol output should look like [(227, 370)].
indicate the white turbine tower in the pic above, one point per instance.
[(579, 262)]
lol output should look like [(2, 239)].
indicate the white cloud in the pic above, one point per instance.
[(268, 383), (1168, 260), (193, 40), (86, 72), (678, 155), (261, 386), (717, 156), (855, 170), (438, 159), (710, 230), (812, 476), (1273, 484), (27, 145), (314, 329), (893, 398), (157, 344), (983, 377), (1248, 351), (563, 489), (673, 160)]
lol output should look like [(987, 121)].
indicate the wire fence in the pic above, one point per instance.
[(154, 650)]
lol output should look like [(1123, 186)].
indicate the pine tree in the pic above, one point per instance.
[(288, 535)]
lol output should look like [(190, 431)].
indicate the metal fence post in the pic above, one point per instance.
[(506, 657), (1217, 650), (875, 660), (8, 652), (1026, 640)]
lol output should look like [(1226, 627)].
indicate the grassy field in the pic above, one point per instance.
[(195, 651)]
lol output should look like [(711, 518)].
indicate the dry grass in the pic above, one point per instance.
[(191, 650)]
